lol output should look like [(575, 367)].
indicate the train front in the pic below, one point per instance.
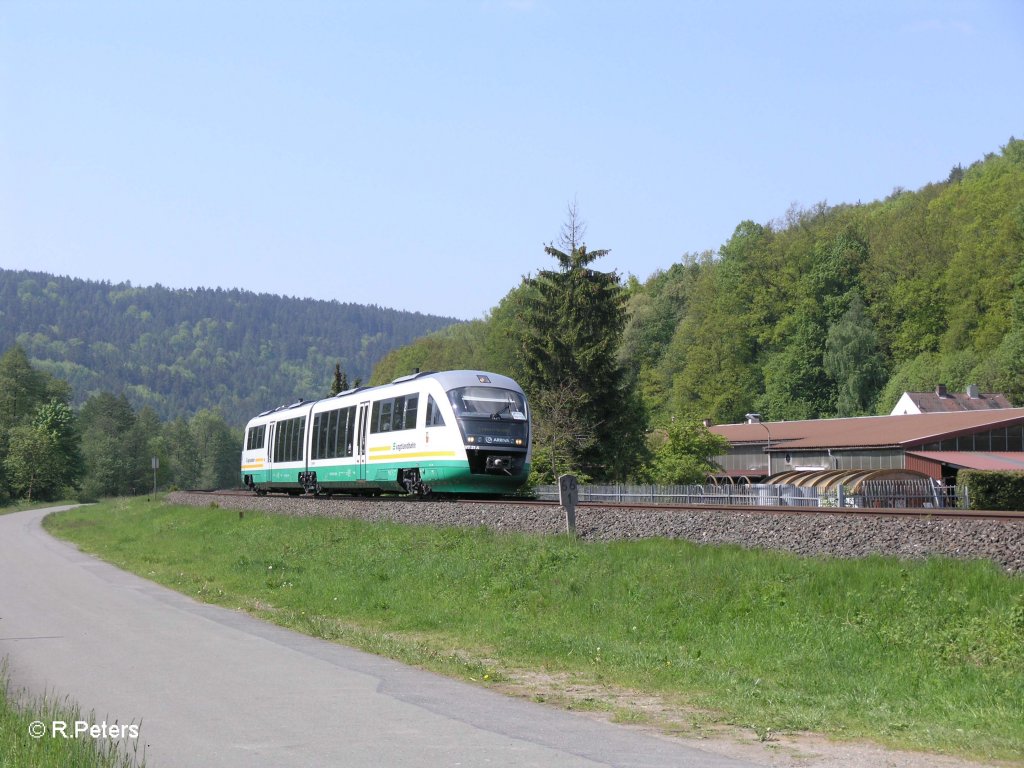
[(494, 420)]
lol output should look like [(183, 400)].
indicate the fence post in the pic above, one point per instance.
[(568, 495)]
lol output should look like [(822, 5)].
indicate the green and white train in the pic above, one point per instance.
[(453, 432)]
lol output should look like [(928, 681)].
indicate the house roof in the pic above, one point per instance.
[(869, 431), (933, 402), (1012, 460)]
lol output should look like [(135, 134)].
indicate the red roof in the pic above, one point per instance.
[(1013, 460), (933, 402), (869, 431)]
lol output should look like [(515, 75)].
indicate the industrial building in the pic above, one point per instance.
[(934, 445)]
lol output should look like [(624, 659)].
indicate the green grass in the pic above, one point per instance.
[(923, 655), (19, 749)]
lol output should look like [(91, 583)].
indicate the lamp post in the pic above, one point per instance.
[(755, 418)]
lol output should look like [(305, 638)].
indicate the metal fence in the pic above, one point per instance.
[(881, 493)]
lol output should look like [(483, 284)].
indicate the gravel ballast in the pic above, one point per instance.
[(821, 534)]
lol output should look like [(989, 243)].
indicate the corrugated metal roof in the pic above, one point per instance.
[(975, 459), (869, 431), (826, 479)]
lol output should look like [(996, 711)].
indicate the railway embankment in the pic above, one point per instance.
[(826, 535)]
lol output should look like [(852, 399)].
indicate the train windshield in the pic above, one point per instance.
[(490, 416), (488, 403)]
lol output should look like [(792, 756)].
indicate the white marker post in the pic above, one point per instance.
[(155, 462), (568, 495)]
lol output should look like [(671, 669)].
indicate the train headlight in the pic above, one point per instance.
[(519, 441), (470, 439)]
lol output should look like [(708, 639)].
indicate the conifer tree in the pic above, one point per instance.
[(572, 324), (340, 381)]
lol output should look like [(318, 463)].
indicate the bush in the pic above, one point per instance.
[(993, 490)]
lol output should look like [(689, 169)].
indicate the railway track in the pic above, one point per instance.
[(895, 512), (806, 531)]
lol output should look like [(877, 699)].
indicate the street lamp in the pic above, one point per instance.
[(755, 418)]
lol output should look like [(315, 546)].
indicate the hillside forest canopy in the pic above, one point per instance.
[(179, 351), (831, 310)]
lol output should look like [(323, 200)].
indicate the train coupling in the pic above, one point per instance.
[(499, 465)]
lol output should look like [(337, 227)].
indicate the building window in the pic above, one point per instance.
[(1015, 438)]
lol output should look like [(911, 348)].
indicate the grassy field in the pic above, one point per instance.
[(19, 749), (921, 655)]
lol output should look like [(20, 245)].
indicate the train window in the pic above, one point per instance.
[(347, 432), (489, 402), (380, 417), (288, 439), (332, 433), (255, 437), (394, 414), (412, 403), (434, 417), (321, 447)]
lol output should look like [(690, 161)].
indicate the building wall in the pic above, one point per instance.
[(786, 461), (904, 405), (926, 466), (750, 459), (744, 459)]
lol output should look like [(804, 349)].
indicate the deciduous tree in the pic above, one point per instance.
[(853, 361), (688, 455)]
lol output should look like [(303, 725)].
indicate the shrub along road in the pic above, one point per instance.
[(212, 686)]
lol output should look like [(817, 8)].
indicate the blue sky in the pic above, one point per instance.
[(419, 155)]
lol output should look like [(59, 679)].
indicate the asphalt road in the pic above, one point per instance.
[(214, 687)]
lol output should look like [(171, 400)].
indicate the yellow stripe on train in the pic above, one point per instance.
[(414, 455)]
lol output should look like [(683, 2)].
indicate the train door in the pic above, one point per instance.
[(362, 429), (269, 464)]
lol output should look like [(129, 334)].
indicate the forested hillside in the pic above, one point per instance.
[(832, 310), (181, 351)]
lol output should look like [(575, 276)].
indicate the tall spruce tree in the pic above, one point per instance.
[(572, 323), (340, 381)]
